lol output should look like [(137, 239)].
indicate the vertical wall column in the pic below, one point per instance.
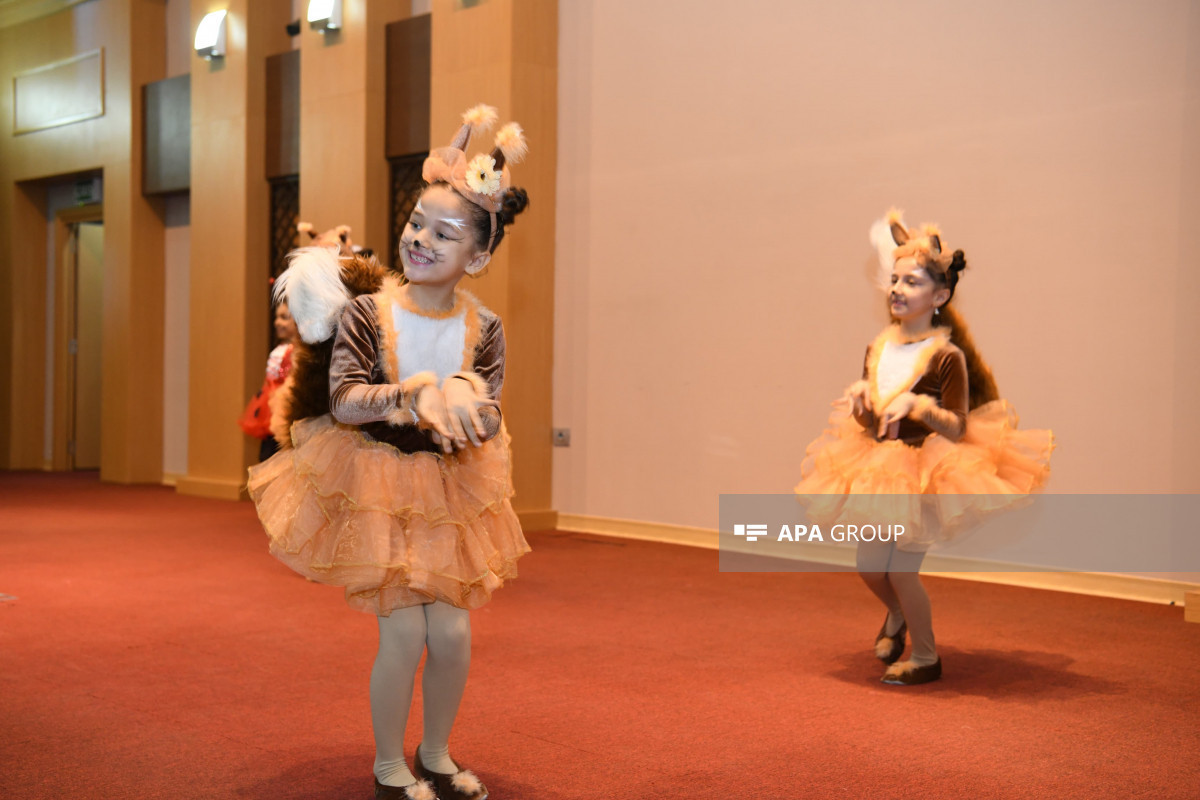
[(229, 242), (132, 348), (344, 173), (505, 53)]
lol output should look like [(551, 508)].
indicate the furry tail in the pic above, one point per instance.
[(313, 289)]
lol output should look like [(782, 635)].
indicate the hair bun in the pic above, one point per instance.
[(515, 201), (958, 262)]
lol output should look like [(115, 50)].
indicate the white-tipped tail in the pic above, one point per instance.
[(313, 289)]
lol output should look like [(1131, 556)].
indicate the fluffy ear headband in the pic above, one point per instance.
[(484, 179), (894, 241)]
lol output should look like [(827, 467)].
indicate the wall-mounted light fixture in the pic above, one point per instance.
[(210, 36), (325, 15)]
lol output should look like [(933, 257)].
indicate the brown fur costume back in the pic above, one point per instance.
[(305, 393)]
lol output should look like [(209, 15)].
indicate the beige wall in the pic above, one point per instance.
[(717, 176)]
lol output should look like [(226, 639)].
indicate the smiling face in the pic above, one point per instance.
[(914, 293), (439, 245)]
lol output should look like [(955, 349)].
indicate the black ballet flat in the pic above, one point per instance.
[(461, 785), (888, 649), (914, 675), (421, 790)]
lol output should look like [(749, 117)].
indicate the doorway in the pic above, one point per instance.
[(79, 309)]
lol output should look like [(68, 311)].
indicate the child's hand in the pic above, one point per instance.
[(859, 395), (430, 406), (462, 411), (898, 409)]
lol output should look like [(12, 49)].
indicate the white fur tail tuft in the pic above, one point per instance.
[(313, 289), (881, 238)]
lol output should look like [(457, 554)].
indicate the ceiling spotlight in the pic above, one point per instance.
[(325, 15), (210, 36)]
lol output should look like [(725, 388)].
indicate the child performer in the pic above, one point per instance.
[(401, 494), (923, 438), (256, 419)]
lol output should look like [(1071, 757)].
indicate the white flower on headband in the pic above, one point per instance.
[(482, 175)]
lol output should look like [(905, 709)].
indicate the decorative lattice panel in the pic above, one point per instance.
[(285, 214)]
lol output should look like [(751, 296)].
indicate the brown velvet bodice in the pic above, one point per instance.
[(943, 380), (365, 391)]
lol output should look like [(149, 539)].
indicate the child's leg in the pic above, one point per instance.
[(401, 641), (872, 559), (449, 657), (904, 576)]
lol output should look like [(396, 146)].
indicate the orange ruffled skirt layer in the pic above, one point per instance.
[(395, 529), (937, 491)]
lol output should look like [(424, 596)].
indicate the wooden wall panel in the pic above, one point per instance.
[(408, 88), (229, 246), (66, 91), (167, 128), (131, 34), (517, 72), (283, 114)]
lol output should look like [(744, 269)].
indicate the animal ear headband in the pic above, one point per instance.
[(338, 237), (894, 241), (484, 179)]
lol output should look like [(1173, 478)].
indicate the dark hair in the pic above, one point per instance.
[(515, 201), (981, 385)]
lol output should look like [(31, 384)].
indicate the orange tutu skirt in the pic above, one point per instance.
[(396, 529), (939, 490)]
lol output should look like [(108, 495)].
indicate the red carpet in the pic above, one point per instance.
[(155, 650)]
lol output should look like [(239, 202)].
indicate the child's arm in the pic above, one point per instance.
[(949, 418), (353, 399), (484, 381), (859, 395)]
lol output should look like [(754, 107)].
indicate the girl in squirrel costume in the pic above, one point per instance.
[(401, 492), (922, 440)]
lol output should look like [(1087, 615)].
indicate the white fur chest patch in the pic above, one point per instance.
[(897, 362), (426, 344)]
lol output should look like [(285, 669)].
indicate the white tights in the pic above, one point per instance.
[(445, 632), (894, 576)]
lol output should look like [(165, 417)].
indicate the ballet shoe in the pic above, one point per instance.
[(888, 649), (906, 674), (461, 785), (421, 790)]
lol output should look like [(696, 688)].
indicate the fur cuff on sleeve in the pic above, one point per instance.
[(922, 406), (406, 413), (477, 383)]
